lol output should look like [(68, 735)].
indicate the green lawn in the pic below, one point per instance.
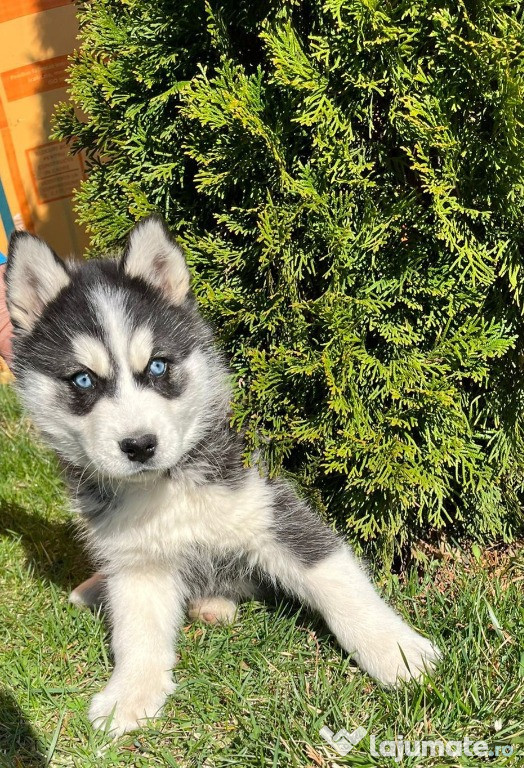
[(255, 694)]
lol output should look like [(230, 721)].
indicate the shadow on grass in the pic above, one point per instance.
[(19, 744), (52, 550)]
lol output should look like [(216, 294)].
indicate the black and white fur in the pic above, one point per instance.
[(188, 523)]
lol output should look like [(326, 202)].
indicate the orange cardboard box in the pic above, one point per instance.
[(36, 37)]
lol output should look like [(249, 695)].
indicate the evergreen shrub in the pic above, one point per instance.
[(347, 178)]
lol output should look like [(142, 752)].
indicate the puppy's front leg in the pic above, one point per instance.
[(146, 608)]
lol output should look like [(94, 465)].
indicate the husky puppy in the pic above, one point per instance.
[(120, 374)]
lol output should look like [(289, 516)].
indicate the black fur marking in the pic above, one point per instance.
[(81, 401), (170, 385), (216, 458), (206, 573), (299, 528)]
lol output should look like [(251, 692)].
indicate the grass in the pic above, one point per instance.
[(257, 693)]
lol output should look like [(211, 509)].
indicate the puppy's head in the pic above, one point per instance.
[(112, 359)]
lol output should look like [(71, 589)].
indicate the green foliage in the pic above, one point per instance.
[(347, 177)]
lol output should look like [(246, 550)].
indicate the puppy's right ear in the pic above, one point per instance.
[(34, 277)]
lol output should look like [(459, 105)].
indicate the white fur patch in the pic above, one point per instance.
[(91, 353), (114, 320), (140, 348), (162, 518)]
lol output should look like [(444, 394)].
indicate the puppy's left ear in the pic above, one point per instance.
[(153, 256)]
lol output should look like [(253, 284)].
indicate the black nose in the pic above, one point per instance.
[(139, 448)]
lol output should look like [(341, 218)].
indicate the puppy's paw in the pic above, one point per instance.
[(397, 655), (212, 610), (125, 705)]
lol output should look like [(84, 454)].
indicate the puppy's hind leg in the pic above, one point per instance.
[(89, 592), (222, 608), (310, 561), (214, 609)]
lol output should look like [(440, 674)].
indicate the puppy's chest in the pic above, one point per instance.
[(162, 521)]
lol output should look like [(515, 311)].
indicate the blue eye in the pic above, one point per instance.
[(83, 380), (157, 367)]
